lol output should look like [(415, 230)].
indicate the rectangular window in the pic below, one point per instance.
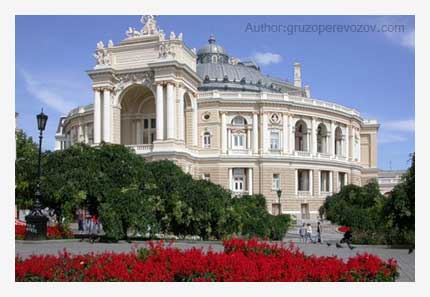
[(153, 123), (207, 140), (342, 179), (274, 140), (303, 180), (152, 137), (145, 124), (276, 182), (238, 179), (325, 181), (238, 141)]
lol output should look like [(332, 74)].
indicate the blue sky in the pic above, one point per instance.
[(373, 72)]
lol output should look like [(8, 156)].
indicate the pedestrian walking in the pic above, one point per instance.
[(302, 232), (80, 221), (93, 228), (308, 233), (319, 231)]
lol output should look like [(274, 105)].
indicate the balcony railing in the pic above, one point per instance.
[(323, 155), (302, 153), (141, 148)]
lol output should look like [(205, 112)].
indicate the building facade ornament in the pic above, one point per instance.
[(102, 56), (123, 80), (166, 50)]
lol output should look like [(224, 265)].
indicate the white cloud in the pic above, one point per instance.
[(404, 37), (267, 58), (400, 125), (391, 138), (46, 94)]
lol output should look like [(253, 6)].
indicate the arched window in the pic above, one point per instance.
[(214, 59), (300, 134), (238, 121), (338, 141), (322, 138), (238, 133), (206, 140)]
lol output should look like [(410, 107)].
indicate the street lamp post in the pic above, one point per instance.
[(279, 192), (36, 221)]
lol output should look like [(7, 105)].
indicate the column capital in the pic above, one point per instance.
[(103, 88)]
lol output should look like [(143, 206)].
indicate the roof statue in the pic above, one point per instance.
[(149, 23), (149, 28)]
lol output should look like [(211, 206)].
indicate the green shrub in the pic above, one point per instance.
[(279, 226), (255, 220)]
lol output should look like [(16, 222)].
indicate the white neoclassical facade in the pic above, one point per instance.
[(222, 119)]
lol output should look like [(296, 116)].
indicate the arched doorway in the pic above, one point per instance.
[(138, 120), (338, 141), (301, 136), (322, 138)]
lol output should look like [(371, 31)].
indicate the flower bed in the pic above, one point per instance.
[(53, 232), (242, 260)]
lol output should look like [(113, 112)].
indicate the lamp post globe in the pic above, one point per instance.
[(36, 221)]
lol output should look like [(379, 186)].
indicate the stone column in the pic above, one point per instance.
[(332, 138), (139, 134), (265, 132), (80, 133), (149, 131), (359, 148), (229, 146), (170, 111), (230, 178), (314, 137), (106, 115), (159, 113), (296, 182), (223, 133), (250, 181), (346, 154), (248, 139), (291, 134), (86, 133), (255, 133), (311, 182), (285, 133), (97, 116), (330, 181), (181, 119), (133, 132), (195, 124)]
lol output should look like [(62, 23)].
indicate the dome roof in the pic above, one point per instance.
[(218, 71), (212, 48)]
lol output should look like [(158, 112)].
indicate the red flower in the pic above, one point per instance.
[(242, 260)]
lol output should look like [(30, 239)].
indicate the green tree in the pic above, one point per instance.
[(355, 206), (399, 209), (85, 176), (25, 169)]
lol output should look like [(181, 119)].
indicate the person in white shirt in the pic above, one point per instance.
[(308, 233)]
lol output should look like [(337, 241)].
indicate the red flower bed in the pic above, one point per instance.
[(53, 232), (343, 229), (242, 260)]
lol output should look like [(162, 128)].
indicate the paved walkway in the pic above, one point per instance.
[(406, 262)]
